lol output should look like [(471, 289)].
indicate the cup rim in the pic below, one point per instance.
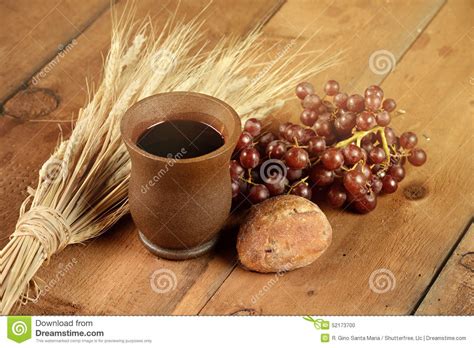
[(126, 135)]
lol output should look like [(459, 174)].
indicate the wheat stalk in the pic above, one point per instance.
[(82, 187)]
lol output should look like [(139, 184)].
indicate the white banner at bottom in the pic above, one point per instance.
[(236, 331)]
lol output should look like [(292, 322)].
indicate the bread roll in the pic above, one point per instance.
[(283, 233)]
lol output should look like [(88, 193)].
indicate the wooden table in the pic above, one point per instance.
[(422, 234)]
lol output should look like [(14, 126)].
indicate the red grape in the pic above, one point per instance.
[(332, 158), (293, 174), (308, 117), (377, 155), (320, 176), (365, 121), (390, 136), (302, 189), (374, 90), (364, 169), (336, 195), (389, 105), (397, 172), (354, 182), (249, 157), (365, 203), (296, 158), (308, 134), (266, 139), (352, 154), (245, 140), (373, 102), (236, 170), (383, 118), (303, 89), (340, 100), (294, 133), (376, 185), (331, 87), (389, 184), (253, 126), (355, 103), (311, 101), (282, 129), (277, 187), (417, 157), (316, 145), (276, 149), (408, 140), (367, 147), (235, 188), (323, 128), (258, 193), (345, 123)]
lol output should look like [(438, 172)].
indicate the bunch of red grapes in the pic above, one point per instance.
[(344, 150)]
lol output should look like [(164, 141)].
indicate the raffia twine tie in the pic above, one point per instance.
[(46, 225)]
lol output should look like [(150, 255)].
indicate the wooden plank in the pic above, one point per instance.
[(66, 84), (360, 28), (411, 232), (112, 274), (30, 40), (351, 34), (453, 291), (298, 294)]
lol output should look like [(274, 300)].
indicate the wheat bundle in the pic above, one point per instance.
[(82, 187)]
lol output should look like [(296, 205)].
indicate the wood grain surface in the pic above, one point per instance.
[(453, 291), (408, 237), (411, 232), (21, 157), (35, 33)]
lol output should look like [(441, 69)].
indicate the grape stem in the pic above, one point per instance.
[(315, 159), (357, 137), (246, 180), (249, 180), (297, 183)]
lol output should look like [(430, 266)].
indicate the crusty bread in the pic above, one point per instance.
[(283, 233)]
